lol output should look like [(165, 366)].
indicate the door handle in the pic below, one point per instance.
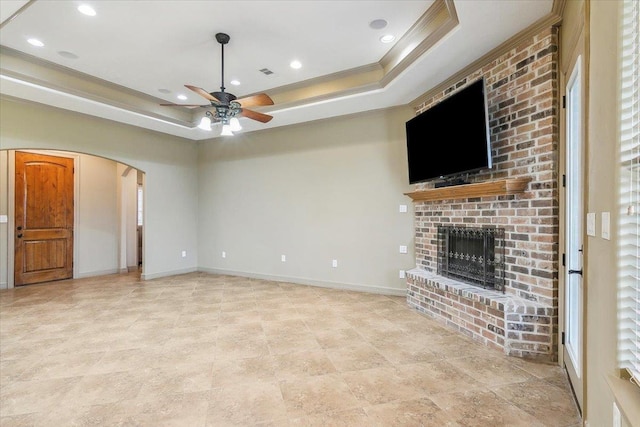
[(19, 235), (19, 227), (576, 272)]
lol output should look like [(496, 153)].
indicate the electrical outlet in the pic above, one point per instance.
[(403, 249), (224, 254), (184, 254), (403, 209), (401, 274), (334, 263), (283, 258), (605, 220), (591, 224)]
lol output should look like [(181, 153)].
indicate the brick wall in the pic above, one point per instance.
[(522, 96)]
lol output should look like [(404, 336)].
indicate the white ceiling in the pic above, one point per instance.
[(141, 46)]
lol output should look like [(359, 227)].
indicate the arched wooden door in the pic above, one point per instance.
[(43, 218)]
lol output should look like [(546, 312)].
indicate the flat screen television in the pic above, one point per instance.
[(451, 138)]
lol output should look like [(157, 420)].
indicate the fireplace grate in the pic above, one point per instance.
[(473, 255)]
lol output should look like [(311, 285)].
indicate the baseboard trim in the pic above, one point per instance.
[(4, 285), (309, 282), (150, 276), (97, 273)]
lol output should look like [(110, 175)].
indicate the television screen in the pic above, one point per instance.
[(450, 138)]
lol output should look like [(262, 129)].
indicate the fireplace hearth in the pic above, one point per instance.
[(472, 255)]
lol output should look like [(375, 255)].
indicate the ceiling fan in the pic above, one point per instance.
[(226, 107)]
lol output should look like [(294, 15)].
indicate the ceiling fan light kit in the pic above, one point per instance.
[(226, 108)]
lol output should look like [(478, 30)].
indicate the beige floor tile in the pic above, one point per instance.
[(284, 327), (491, 371), (315, 395), (302, 364), (283, 344), (61, 366), (404, 350), (380, 385), (356, 356), (195, 377), (202, 349), (25, 397), (106, 388), (232, 371), (234, 349), (409, 413), (350, 418), (479, 408), (28, 420), (335, 338), (245, 405), (548, 403), (170, 410), (430, 378)]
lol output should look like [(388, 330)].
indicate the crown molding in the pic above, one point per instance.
[(550, 20)]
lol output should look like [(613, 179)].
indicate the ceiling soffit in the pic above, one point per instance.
[(20, 68), (431, 27)]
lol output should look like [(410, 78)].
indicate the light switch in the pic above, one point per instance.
[(606, 226), (591, 224), (403, 209), (3, 219), (224, 254), (334, 263), (403, 249), (184, 254), (283, 258)]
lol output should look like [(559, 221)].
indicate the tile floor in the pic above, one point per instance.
[(207, 350)]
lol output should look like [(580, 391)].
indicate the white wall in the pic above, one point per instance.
[(314, 192), (169, 163)]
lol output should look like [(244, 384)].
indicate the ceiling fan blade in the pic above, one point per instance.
[(203, 93), (255, 100), (254, 115)]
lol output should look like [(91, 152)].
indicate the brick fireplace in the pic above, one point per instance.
[(522, 320)]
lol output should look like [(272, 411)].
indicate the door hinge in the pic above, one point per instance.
[(564, 180), (564, 101), (564, 260), (563, 338)]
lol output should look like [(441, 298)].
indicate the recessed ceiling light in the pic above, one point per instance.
[(164, 91), (35, 42), (67, 54), (85, 9), (295, 64), (388, 38), (182, 97), (378, 24), (235, 82)]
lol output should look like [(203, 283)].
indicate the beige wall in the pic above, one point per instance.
[(3, 226), (314, 192), (601, 20), (602, 165), (169, 162)]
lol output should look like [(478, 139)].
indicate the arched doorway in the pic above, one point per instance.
[(104, 228)]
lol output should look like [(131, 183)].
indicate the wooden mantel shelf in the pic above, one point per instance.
[(498, 187)]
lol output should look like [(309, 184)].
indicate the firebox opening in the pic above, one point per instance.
[(472, 255)]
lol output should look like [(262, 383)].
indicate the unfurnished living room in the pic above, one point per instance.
[(320, 213)]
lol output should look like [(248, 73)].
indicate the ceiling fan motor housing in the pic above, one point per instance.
[(222, 38)]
